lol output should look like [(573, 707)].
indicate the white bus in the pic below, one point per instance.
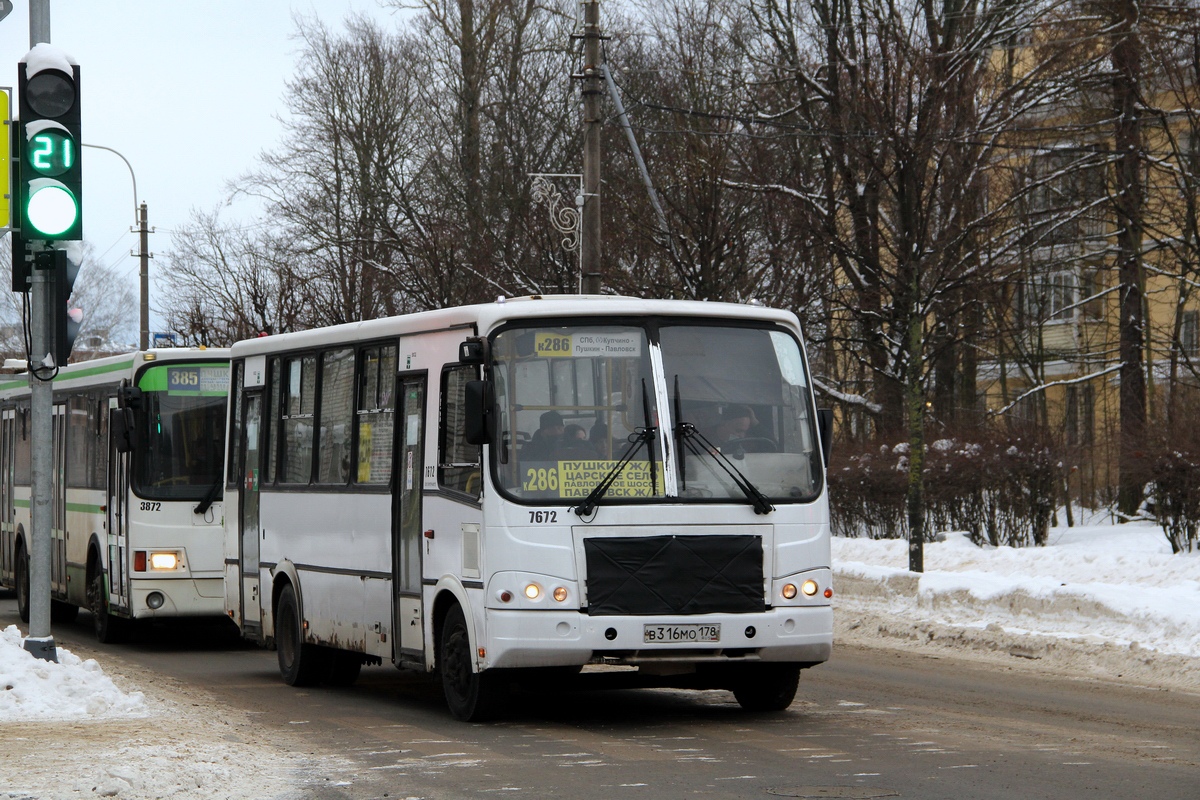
[(136, 531), (540, 483)]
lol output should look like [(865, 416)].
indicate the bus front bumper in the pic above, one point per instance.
[(180, 597), (526, 638)]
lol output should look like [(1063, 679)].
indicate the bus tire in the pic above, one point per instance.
[(22, 582), (766, 687), (108, 629), (471, 696), (300, 664)]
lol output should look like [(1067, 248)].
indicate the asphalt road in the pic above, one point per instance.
[(869, 723)]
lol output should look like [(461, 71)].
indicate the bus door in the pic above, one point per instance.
[(407, 479), (248, 504), (8, 441), (58, 491), (117, 516)]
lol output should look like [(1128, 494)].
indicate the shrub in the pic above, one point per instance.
[(1000, 490), (1174, 472)]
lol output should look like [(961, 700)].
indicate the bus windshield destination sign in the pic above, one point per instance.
[(197, 380), (575, 479), (554, 344)]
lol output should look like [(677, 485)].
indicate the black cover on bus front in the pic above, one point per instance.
[(674, 574)]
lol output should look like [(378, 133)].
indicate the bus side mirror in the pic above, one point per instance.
[(478, 406), (473, 351), (825, 428), (121, 424), (129, 396)]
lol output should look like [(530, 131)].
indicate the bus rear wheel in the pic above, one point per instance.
[(300, 664), (108, 629), (766, 687), (22, 581), (471, 696)]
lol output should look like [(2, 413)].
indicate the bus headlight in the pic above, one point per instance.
[(164, 561), (789, 591), (533, 591), (809, 588), (560, 593)]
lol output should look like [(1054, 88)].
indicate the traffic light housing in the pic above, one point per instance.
[(50, 186), (67, 320)]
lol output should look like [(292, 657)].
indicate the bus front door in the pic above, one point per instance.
[(249, 523), (8, 441), (58, 490), (406, 520), (118, 517)]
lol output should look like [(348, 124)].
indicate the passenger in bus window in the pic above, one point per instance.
[(546, 439), (598, 438), (575, 445), (735, 423)]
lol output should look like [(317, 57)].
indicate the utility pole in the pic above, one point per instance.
[(40, 641), (143, 254), (144, 275), (592, 92)]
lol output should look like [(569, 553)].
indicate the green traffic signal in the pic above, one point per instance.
[(51, 209)]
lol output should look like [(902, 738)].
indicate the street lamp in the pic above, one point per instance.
[(143, 254)]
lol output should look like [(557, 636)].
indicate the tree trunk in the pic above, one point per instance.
[(1127, 139), (915, 500)]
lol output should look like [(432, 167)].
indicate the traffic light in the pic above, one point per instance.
[(67, 320), (50, 187)]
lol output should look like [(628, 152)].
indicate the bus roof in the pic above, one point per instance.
[(108, 369), (486, 316)]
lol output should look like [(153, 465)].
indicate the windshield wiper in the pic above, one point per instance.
[(686, 434), (636, 440), (682, 458), (209, 497)]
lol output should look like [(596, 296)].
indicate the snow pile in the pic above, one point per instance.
[(34, 689), (1102, 598), (70, 733)]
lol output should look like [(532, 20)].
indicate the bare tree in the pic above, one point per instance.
[(498, 105), (221, 283), (101, 292)]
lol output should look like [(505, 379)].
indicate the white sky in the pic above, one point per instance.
[(186, 91)]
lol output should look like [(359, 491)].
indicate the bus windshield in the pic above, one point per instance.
[(733, 401), (181, 439)]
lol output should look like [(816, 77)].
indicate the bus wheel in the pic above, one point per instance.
[(766, 687), (344, 667), (108, 629), (300, 664), (22, 580), (472, 696)]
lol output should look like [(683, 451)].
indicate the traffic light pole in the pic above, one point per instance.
[(40, 641)]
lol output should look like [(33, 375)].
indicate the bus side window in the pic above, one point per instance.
[(458, 461), (298, 406), (335, 416), (233, 469), (376, 415)]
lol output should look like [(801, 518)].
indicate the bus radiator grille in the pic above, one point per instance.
[(674, 575)]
